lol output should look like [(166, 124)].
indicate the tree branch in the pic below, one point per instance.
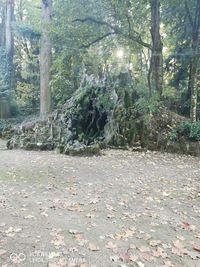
[(116, 30), (137, 38), (88, 19), (98, 40)]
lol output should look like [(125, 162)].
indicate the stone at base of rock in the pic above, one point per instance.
[(83, 150)]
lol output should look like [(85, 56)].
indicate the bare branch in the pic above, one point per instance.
[(135, 36), (88, 19), (98, 40)]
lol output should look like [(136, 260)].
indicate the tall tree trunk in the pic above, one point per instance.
[(192, 85), (45, 59), (157, 47), (2, 25), (10, 40), (7, 42)]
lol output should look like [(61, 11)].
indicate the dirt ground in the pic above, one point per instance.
[(118, 209)]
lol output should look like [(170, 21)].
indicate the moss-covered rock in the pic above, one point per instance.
[(98, 115)]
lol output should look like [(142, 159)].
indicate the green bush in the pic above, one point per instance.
[(173, 135), (190, 130), (195, 131), (185, 128), (146, 106), (3, 124)]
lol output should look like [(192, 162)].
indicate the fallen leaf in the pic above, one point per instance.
[(72, 231), (114, 258), (93, 247), (185, 225), (144, 249), (2, 252), (197, 248), (111, 246), (154, 243), (179, 248), (159, 253), (193, 255), (168, 264), (140, 264), (28, 216), (133, 258)]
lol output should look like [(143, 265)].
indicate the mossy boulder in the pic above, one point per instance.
[(98, 117)]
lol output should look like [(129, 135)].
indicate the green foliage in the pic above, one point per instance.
[(187, 129), (99, 95), (79, 51), (148, 106), (169, 92), (64, 78), (195, 131), (3, 124), (27, 97), (27, 31), (173, 135)]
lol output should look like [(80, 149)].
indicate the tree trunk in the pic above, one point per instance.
[(7, 42), (192, 85), (157, 47), (45, 59), (4, 109), (2, 25), (10, 40)]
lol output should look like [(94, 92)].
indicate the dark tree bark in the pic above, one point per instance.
[(7, 42), (156, 66), (192, 84), (2, 24), (45, 61), (10, 40)]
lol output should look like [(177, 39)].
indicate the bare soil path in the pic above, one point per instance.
[(119, 209)]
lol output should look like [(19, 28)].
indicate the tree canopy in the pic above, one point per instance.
[(156, 42)]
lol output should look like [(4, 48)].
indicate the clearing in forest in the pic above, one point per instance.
[(118, 209)]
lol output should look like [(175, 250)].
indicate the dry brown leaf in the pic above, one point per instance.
[(168, 264), (74, 232), (196, 248), (145, 256), (154, 243), (114, 258), (93, 247), (193, 255), (112, 246), (58, 240), (179, 248), (159, 253), (133, 258), (185, 225), (94, 201), (125, 234), (180, 237), (144, 249)]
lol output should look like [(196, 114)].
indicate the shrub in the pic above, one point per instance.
[(195, 131), (189, 130)]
